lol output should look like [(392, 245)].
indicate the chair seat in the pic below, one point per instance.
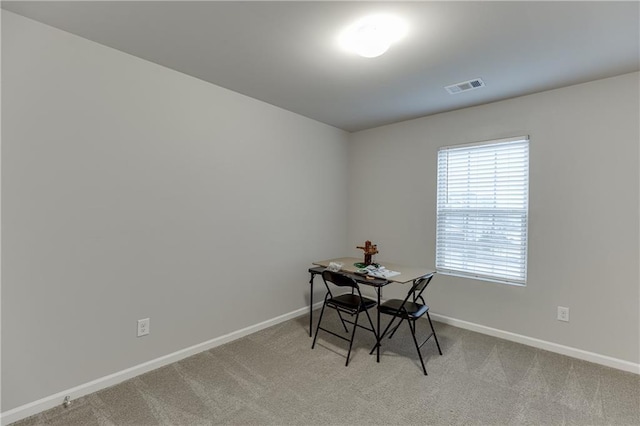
[(413, 310), (352, 301)]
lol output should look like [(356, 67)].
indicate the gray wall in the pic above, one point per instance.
[(133, 191), (583, 230)]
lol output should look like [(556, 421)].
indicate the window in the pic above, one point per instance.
[(482, 210)]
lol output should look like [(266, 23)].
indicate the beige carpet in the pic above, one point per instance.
[(274, 378)]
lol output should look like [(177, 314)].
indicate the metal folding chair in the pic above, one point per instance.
[(411, 311), (350, 303)]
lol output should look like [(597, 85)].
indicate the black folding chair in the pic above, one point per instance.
[(350, 303), (411, 311)]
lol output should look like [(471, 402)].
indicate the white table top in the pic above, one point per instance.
[(407, 273)]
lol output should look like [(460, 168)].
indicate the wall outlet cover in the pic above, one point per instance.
[(143, 327), (563, 313)]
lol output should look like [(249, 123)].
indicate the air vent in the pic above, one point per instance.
[(465, 86)]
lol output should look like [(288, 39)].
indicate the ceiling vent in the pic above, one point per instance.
[(465, 86)]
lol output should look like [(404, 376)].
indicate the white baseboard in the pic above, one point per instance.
[(51, 401), (542, 344), (57, 399)]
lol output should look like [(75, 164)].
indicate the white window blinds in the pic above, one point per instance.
[(482, 210)]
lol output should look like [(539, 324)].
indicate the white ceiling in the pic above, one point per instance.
[(285, 53)]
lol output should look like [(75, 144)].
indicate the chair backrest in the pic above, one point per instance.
[(419, 286), (338, 279)]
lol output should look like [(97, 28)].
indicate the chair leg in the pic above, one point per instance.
[(396, 327), (381, 336), (346, 330), (370, 320), (412, 326), (434, 332), (318, 326), (353, 334)]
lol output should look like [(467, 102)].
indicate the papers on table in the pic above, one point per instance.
[(380, 272)]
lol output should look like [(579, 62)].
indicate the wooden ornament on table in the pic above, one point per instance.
[(369, 250)]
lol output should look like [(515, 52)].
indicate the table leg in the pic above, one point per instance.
[(311, 304), (378, 326)]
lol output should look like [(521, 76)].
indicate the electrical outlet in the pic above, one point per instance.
[(563, 314), (143, 327)]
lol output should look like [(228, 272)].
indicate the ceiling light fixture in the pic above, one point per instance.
[(373, 35)]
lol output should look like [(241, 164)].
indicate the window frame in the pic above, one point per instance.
[(446, 216)]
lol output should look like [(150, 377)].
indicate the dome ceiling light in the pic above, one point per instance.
[(373, 35)]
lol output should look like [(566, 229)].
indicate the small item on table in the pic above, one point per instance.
[(334, 266), (369, 250)]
